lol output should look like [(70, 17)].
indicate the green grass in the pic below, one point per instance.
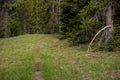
[(16, 57), (58, 60)]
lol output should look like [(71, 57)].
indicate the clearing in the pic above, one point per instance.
[(28, 57)]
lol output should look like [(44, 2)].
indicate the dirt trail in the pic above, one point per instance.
[(71, 61), (37, 74)]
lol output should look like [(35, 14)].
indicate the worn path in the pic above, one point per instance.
[(37, 74)]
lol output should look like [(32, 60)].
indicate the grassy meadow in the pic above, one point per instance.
[(59, 61)]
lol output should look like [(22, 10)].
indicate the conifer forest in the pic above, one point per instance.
[(59, 39)]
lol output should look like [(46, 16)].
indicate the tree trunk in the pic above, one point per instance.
[(4, 19), (24, 26), (24, 18), (1, 16), (51, 18), (53, 10), (109, 22), (2, 11), (108, 28)]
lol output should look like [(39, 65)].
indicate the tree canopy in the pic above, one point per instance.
[(76, 20)]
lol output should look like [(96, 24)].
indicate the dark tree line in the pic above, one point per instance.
[(77, 20)]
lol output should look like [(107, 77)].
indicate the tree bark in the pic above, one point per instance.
[(4, 29), (24, 26), (24, 17), (2, 11), (51, 22), (108, 28), (53, 10), (109, 21)]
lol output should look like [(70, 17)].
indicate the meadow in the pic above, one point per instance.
[(58, 60)]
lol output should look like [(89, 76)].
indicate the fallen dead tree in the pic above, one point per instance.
[(105, 28)]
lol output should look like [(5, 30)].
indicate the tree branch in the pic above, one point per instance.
[(106, 27)]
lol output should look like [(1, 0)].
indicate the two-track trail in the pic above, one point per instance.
[(37, 74)]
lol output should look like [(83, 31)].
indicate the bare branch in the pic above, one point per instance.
[(106, 27)]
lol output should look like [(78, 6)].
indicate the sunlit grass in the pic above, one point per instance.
[(59, 61), (16, 57)]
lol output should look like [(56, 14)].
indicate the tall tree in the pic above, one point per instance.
[(4, 19), (109, 21)]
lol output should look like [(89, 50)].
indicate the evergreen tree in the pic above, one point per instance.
[(77, 20)]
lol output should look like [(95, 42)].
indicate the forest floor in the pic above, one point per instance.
[(45, 57)]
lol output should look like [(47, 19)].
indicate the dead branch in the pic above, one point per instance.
[(106, 27)]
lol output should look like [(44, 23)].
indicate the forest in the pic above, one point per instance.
[(76, 20), (80, 30)]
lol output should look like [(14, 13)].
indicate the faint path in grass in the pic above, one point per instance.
[(37, 74), (72, 62)]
